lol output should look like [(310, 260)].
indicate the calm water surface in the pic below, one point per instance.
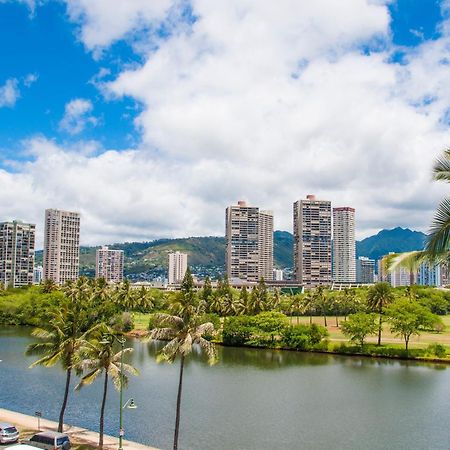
[(252, 399)]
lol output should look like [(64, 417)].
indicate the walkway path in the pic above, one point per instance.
[(77, 435)]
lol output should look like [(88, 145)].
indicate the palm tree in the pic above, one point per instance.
[(183, 330), (321, 301), (308, 304), (437, 244), (96, 357), (379, 296), (61, 338), (182, 333)]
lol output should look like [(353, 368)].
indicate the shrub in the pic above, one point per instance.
[(437, 350), (304, 337), (238, 330)]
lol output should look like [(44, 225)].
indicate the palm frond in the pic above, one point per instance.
[(205, 328), (88, 378), (209, 348), (162, 320), (408, 260), (162, 334), (441, 168), (438, 241)]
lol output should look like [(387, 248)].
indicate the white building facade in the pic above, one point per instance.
[(177, 267), (61, 245), (344, 245)]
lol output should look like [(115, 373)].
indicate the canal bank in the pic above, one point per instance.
[(77, 435)]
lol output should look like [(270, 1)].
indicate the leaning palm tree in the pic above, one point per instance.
[(97, 357), (437, 245), (60, 341), (379, 296)]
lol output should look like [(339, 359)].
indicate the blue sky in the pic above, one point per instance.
[(167, 82)]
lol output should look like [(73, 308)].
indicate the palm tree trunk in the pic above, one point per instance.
[(177, 419), (298, 319), (66, 395), (102, 410), (325, 320), (379, 331), (337, 321)]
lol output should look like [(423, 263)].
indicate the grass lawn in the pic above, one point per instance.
[(141, 321)]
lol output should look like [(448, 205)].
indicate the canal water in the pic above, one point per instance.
[(251, 399)]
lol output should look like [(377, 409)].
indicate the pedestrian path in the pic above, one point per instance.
[(77, 435)]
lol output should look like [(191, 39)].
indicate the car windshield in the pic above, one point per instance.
[(61, 441), (10, 430)]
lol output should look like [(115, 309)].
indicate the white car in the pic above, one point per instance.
[(8, 433)]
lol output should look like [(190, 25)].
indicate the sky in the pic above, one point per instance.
[(150, 117)]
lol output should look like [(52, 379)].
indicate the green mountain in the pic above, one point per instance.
[(396, 240), (207, 254)]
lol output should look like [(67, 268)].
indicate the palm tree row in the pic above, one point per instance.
[(74, 337)]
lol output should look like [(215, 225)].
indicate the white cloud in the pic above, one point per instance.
[(77, 116), (9, 93), (257, 100), (30, 79), (105, 21)]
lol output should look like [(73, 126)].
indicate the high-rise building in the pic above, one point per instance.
[(38, 274), (277, 275), (61, 245), (249, 242), (312, 241), (16, 253), (365, 270), (429, 275), (344, 245), (177, 267), (109, 264)]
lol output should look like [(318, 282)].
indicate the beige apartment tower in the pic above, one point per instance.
[(177, 267), (344, 245), (16, 253), (109, 264), (249, 243), (312, 242), (61, 245)]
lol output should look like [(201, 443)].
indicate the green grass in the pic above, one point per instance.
[(141, 321)]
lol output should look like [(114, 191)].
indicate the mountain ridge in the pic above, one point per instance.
[(207, 253)]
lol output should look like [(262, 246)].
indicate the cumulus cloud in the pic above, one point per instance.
[(9, 93), (103, 22), (77, 116), (260, 101)]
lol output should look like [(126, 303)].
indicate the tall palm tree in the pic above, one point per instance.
[(379, 296), (183, 329), (308, 304), (182, 333), (60, 342), (97, 357)]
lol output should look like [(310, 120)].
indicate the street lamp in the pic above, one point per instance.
[(131, 404)]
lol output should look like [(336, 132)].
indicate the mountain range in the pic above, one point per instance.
[(207, 254)]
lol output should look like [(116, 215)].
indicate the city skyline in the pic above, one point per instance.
[(345, 99)]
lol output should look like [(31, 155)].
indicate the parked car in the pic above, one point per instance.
[(8, 433), (21, 447), (50, 440)]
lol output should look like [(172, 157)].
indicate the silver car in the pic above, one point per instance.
[(50, 440), (8, 433)]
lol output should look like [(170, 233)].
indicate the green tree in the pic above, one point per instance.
[(182, 332), (409, 318), (309, 304), (207, 291), (321, 302), (60, 341), (359, 326), (378, 297), (96, 357), (271, 323)]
